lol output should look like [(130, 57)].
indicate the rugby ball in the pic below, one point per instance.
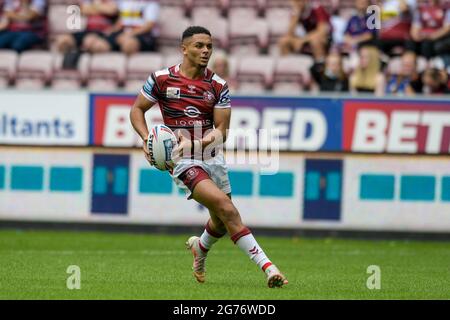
[(161, 141)]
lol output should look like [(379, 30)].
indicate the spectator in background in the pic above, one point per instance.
[(338, 24), (332, 77), (221, 66), (135, 30), (430, 31), (357, 32), (100, 15), (396, 18), (22, 25), (310, 24), (408, 80), (435, 81), (367, 76)]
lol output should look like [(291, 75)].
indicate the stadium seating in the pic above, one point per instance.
[(248, 34), (170, 35), (277, 4), (247, 29), (278, 23), (37, 68), (34, 69), (8, 62), (206, 12), (139, 67), (106, 71), (168, 13), (218, 27), (255, 70), (172, 59), (70, 78), (292, 70), (233, 66)]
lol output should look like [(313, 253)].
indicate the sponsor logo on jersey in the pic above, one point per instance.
[(173, 92), (191, 123), (191, 88), (208, 97), (192, 112)]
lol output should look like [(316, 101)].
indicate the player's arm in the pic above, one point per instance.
[(137, 118), (214, 138), (137, 115), (221, 118), (218, 135)]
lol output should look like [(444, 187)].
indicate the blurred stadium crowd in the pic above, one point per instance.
[(275, 46)]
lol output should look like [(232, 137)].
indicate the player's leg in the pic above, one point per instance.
[(214, 230), (200, 246), (207, 193)]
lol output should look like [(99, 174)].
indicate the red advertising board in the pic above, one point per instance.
[(396, 126), (110, 121)]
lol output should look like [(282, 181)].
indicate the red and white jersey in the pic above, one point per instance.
[(186, 103), (431, 18)]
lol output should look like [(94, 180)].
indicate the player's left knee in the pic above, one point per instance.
[(226, 210)]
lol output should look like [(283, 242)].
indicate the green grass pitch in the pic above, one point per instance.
[(33, 265)]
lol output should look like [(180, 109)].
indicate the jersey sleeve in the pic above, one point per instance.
[(150, 90), (224, 100)]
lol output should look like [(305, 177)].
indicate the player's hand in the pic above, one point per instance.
[(183, 147), (147, 153)]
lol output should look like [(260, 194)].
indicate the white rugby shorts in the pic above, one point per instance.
[(215, 167)]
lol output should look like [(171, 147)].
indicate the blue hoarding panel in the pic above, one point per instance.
[(27, 178), (241, 182), (155, 182), (66, 179), (376, 186), (323, 189), (417, 188), (277, 185), (110, 184)]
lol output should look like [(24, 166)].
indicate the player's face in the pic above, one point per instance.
[(198, 49)]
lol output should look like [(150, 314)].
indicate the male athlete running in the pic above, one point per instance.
[(196, 101)]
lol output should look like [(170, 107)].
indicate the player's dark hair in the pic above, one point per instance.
[(190, 31)]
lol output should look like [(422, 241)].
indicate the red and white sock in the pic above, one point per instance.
[(208, 238), (245, 240)]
